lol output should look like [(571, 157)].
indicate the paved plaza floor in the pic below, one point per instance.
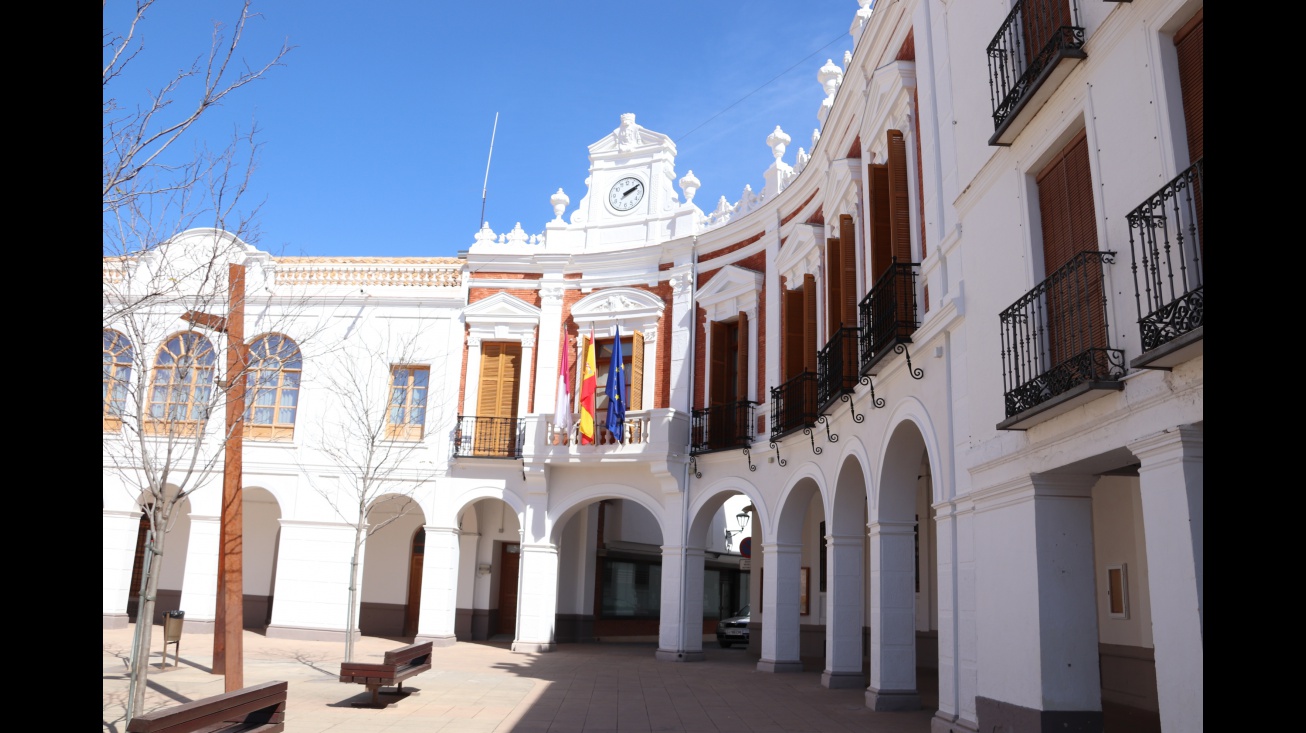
[(485, 687)]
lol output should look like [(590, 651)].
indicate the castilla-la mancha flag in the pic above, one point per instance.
[(562, 404), (588, 386)]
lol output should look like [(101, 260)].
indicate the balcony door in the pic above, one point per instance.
[(1076, 316), (496, 402), (728, 382)]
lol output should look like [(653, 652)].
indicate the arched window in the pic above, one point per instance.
[(181, 392), (272, 392), (117, 375)]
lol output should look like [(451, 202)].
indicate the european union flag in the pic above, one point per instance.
[(616, 391)]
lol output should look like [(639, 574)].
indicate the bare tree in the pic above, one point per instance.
[(161, 178), (155, 184), (372, 437), (167, 380)]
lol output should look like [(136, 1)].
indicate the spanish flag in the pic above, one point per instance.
[(588, 386)]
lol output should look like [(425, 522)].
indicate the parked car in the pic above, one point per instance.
[(733, 630)]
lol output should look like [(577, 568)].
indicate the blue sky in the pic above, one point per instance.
[(376, 130)]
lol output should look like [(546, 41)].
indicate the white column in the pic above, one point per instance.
[(780, 609), (1170, 479), (467, 579), (119, 540), (199, 586), (435, 622), (313, 580), (843, 623), (524, 395), (680, 626), (680, 327), (537, 598), (546, 368), (473, 380), (958, 667), (1036, 599), (893, 618)]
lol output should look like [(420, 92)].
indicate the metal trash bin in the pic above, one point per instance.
[(172, 621)]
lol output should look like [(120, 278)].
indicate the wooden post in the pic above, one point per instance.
[(229, 616)]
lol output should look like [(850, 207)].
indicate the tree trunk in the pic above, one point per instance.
[(145, 612), (353, 594)]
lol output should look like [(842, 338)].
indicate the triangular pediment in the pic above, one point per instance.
[(631, 139), (501, 308), (613, 302), (730, 281)]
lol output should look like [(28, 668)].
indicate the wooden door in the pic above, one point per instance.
[(138, 568), (413, 610), (509, 563), (496, 404)]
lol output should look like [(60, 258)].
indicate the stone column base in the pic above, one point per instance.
[(306, 634), (999, 715), (842, 680), (671, 655), (887, 701), (770, 665), (533, 647), (942, 723), (115, 621), (436, 641)]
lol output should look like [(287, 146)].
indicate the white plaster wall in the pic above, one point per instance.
[(1118, 538), (388, 554), (260, 517), (313, 575), (118, 538), (576, 564), (633, 523)]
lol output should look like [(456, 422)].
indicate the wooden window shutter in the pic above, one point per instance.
[(717, 355), (1188, 44), (487, 397), (500, 363), (636, 401), (833, 284), (509, 379), (899, 201), (741, 359), (879, 231), (810, 306), (1075, 317), (848, 271), (793, 334)]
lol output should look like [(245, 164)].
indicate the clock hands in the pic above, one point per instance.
[(629, 191)]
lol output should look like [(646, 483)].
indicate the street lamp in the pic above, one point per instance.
[(742, 519)]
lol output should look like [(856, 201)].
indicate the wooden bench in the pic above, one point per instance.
[(399, 665), (254, 709)]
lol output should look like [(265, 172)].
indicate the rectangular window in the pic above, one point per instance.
[(407, 414), (1117, 591), (631, 589)]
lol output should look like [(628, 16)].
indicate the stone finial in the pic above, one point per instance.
[(816, 135), (486, 235), (863, 14), (777, 141), (830, 76), (847, 58), (689, 184), (517, 235), (559, 201)]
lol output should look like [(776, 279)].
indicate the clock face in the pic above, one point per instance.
[(626, 193)]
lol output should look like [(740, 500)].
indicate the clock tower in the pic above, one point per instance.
[(631, 198)]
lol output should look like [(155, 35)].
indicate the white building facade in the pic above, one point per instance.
[(945, 368)]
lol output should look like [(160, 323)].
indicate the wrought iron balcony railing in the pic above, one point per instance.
[(1036, 36), (836, 367), (793, 405), (888, 314), (722, 427), (1166, 243), (488, 437), (1054, 338)]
